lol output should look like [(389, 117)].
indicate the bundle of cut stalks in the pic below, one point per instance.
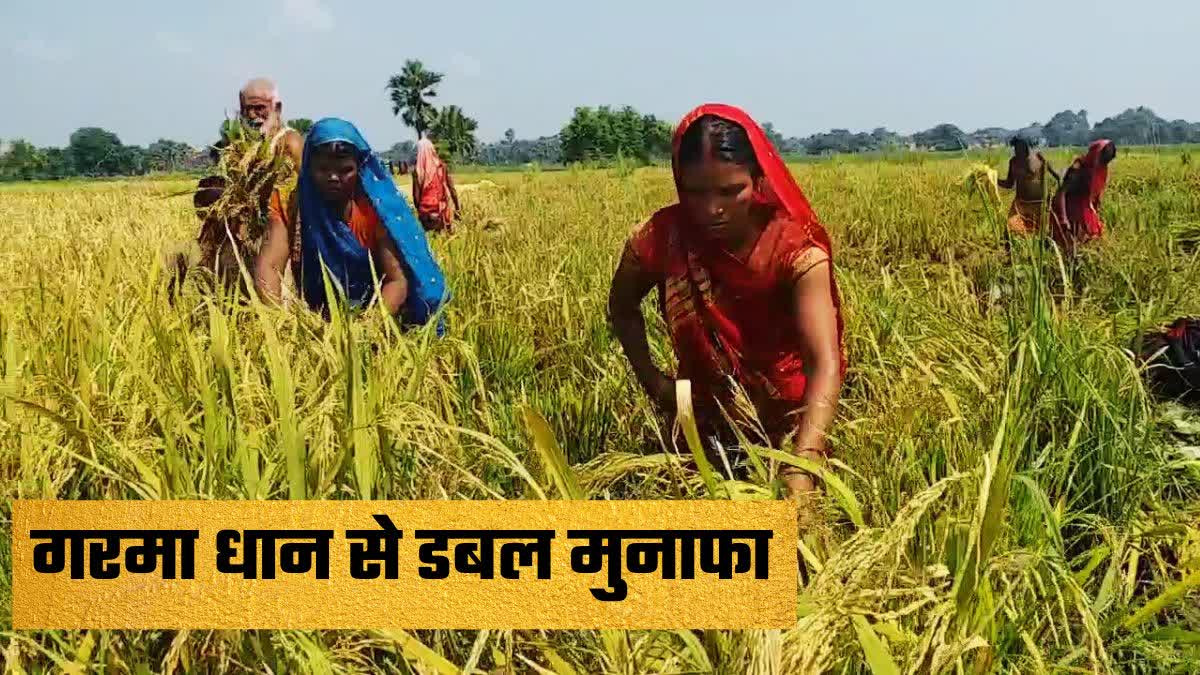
[(233, 202), (982, 178)]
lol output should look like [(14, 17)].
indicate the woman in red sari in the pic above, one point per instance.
[(1076, 206), (433, 189), (745, 278)]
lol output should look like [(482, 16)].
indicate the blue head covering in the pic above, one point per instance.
[(326, 237)]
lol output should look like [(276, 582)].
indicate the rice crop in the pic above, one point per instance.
[(1004, 497)]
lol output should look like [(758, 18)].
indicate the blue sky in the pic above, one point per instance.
[(149, 70)]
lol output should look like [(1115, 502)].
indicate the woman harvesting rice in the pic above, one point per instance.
[(347, 215), (433, 189), (745, 279), (1077, 203)]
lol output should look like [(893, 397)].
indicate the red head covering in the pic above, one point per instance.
[(716, 338), (778, 188), (1097, 170)]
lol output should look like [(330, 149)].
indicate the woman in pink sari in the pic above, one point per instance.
[(1077, 204), (744, 272), (433, 189)]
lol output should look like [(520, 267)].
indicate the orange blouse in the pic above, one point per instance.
[(364, 221)]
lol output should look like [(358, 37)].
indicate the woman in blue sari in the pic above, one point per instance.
[(347, 216)]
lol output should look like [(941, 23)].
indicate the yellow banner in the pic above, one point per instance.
[(403, 564)]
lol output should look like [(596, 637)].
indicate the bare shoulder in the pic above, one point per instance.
[(293, 145), (808, 260)]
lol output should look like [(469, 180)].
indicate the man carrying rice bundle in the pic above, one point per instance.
[(234, 201), (1027, 177)]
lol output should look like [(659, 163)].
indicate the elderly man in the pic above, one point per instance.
[(261, 109)]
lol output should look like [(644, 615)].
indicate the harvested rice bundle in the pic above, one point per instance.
[(983, 178), (233, 202)]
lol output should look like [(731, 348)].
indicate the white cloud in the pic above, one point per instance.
[(39, 48), (465, 65), (172, 43), (307, 14)]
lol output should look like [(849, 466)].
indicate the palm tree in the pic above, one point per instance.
[(455, 132), (409, 92)]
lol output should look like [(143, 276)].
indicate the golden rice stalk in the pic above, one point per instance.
[(849, 586), (983, 178)]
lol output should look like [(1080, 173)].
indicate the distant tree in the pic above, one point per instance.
[(605, 134), (1035, 133), (1140, 126), (991, 136), (301, 124), (657, 136), (58, 163), (581, 136), (166, 155), (404, 151), (130, 161), (882, 139), (1067, 128), (22, 161), (455, 132), (410, 92), (97, 152), (941, 137), (1181, 131), (510, 136), (544, 150), (836, 140), (774, 136)]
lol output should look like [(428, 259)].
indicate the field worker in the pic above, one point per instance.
[(1077, 204), (347, 215), (261, 109), (744, 272), (1027, 177), (433, 189)]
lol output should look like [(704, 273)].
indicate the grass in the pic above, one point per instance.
[(1005, 498)]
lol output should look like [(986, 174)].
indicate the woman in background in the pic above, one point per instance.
[(347, 216), (433, 189), (1077, 203), (745, 277)]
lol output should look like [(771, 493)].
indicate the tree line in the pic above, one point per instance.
[(92, 152), (1134, 126), (602, 134)]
